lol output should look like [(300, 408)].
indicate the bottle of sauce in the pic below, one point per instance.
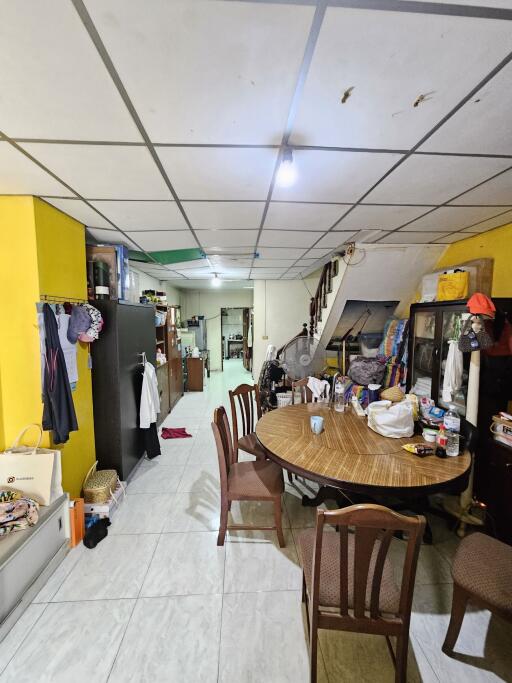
[(441, 441)]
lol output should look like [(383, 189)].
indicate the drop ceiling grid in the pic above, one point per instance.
[(322, 236)]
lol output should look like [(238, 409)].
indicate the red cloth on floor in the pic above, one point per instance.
[(174, 433)]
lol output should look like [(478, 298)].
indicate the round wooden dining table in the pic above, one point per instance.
[(350, 456)]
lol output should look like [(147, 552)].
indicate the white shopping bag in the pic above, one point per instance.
[(394, 420), (35, 471)]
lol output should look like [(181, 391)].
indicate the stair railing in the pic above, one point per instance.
[(319, 300)]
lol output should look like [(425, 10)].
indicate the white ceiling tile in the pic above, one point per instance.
[(305, 262), (453, 218), (335, 239), (53, 82), (364, 217), (224, 215), (273, 263), (429, 179), (227, 238), (164, 241), (233, 272), (230, 262), (280, 238), (80, 211), (103, 172), (213, 173), (450, 239), (301, 216), (389, 59), (281, 253), (401, 237), (334, 176), (189, 265), (111, 237), (136, 215), (19, 175), (264, 273), (482, 126), (197, 274), (317, 253), (497, 222), (368, 236), (229, 251), (495, 191), (206, 71), (504, 4)]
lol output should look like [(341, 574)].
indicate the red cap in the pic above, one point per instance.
[(480, 303)]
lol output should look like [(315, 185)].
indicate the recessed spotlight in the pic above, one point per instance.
[(287, 173)]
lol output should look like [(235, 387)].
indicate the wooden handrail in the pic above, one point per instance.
[(319, 300)]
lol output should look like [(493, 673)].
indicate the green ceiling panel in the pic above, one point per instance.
[(168, 257)]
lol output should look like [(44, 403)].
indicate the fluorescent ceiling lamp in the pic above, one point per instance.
[(287, 173), (215, 280)]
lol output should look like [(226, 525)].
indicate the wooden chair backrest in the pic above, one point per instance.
[(247, 397), (306, 395), (371, 524), (225, 453)]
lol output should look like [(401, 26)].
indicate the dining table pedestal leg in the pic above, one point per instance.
[(328, 493)]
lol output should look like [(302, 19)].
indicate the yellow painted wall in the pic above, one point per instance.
[(496, 244), (42, 252)]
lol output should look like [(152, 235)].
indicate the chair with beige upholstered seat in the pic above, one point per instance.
[(257, 480), (482, 574), (247, 397), (348, 581)]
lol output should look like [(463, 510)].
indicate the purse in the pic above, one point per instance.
[(35, 471), (470, 340), (451, 286)]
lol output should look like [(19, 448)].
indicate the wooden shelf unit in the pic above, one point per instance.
[(170, 374)]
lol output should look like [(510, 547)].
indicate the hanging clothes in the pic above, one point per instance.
[(149, 409), (149, 397), (68, 349), (453, 371), (58, 409)]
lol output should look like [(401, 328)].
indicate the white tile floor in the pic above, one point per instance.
[(158, 601)]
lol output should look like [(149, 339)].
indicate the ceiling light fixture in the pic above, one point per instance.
[(287, 173), (215, 280)]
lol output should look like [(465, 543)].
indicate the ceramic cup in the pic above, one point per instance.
[(317, 424)]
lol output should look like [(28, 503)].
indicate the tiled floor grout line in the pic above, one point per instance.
[(26, 634), (134, 606)]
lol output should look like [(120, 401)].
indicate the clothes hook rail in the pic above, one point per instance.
[(52, 299)]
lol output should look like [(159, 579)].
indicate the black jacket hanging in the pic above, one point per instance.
[(58, 411)]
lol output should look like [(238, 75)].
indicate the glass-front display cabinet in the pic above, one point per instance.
[(432, 327)]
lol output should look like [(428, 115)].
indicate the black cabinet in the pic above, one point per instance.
[(128, 331), (432, 326)]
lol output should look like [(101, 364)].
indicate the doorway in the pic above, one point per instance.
[(235, 336)]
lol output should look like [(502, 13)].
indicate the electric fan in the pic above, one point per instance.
[(300, 357)]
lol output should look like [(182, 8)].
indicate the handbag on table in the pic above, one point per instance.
[(35, 471)]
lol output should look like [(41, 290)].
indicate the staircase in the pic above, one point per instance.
[(321, 323)]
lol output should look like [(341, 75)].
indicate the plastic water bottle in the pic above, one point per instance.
[(452, 427), (451, 421), (339, 397)]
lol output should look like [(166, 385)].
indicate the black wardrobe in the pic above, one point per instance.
[(129, 330)]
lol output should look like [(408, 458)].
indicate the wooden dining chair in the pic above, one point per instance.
[(246, 398), (348, 581), (482, 575), (260, 480)]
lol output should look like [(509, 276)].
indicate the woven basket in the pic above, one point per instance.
[(392, 394), (99, 485)]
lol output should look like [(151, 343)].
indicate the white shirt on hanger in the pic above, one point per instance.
[(149, 397)]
